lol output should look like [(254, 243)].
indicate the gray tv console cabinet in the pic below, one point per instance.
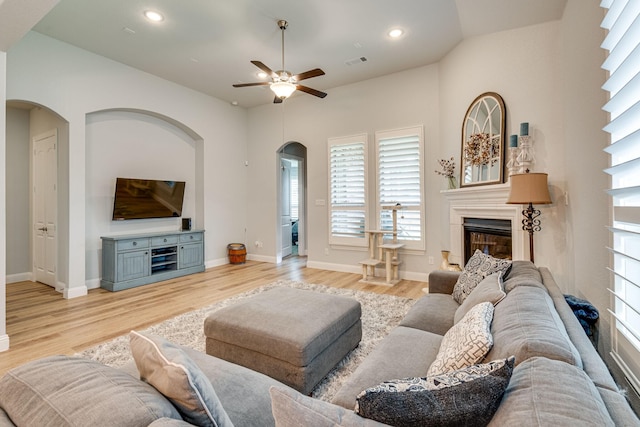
[(134, 260)]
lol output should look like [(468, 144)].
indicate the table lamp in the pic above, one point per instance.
[(529, 188)]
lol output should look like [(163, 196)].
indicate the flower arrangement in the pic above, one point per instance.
[(480, 149), (448, 167)]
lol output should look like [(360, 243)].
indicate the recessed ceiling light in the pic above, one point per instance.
[(154, 16), (395, 33), (262, 75)]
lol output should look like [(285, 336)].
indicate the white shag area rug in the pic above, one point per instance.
[(380, 314)]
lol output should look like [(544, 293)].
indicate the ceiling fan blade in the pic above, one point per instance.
[(252, 84), (277, 100), (311, 91), (308, 74), (264, 68)]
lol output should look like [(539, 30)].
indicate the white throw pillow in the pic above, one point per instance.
[(174, 374), (478, 267), (467, 342)]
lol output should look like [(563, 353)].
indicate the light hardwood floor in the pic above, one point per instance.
[(41, 323)]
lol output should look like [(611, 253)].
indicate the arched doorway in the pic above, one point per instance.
[(292, 212)]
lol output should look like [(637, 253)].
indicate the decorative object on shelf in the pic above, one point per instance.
[(512, 163), (445, 265), (525, 153), (448, 171), (483, 131), (529, 188)]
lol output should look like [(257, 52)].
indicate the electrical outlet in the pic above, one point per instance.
[(326, 251), (431, 261)]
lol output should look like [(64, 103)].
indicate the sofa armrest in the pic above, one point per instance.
[(442, 281)]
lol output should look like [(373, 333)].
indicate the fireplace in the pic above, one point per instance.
[(489, 235), (487, 202)]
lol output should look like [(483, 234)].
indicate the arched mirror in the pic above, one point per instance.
[(482, 160)]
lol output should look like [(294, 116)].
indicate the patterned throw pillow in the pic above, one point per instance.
[(467, 342), (469, 396), (477, 268), (174, 374)]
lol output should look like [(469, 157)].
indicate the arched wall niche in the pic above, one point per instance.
[(135, 143)]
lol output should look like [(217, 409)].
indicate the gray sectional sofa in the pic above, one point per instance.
[(558, 378)]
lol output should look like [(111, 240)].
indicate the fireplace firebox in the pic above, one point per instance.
[(491, 236)]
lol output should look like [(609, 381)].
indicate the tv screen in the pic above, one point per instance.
[(147, 198)]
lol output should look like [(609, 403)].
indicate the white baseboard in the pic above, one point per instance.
[(92, 284), (216, 262), (262, 258), (4, 342), (75, 292), (20, 277), (406, 275)]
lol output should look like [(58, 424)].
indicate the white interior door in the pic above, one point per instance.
[(285, 168), (45, 178)]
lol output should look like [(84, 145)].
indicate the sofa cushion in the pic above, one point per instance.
[(526, 324), (469, 397), (477, 268), (467, 342), (489, 290), (432, 313), (166, 367), (393, 357), (293, 409), (618, 407), (522, 273), (63, 390), (545, 392)]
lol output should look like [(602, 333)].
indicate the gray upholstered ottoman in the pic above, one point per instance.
[(295, 336)]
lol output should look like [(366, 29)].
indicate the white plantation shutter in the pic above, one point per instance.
[(622, 21), (348, 190), (400, 177)]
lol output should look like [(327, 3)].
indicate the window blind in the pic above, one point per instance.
[(400, 172), (348, 190), (622, 22)]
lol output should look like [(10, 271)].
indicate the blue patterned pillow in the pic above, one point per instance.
[(478, 267), (468, 397)]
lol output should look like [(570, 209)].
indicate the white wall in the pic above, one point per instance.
[(78, 83), (4, 338), (405, 99), (522, 66), (18, 194)]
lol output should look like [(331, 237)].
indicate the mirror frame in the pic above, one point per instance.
[(489, 168)]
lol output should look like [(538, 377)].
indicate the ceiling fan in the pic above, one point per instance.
[(283, 83)]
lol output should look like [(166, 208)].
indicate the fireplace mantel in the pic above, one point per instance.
[(486, 201)]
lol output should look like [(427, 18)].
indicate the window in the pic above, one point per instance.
[(348, 190), (623, 84), (399, 180)]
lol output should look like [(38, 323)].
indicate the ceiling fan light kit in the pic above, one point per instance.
[(283, 83), (283, 89)]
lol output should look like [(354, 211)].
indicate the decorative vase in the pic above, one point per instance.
[(451, 180), (445, 265)]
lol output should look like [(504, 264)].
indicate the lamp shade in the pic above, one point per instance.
[(529, 188), (283, 89)]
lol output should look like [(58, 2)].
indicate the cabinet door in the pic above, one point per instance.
[(190, 255), (132, 265)]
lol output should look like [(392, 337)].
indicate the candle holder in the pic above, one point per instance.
[(525, 156), (513, 164)]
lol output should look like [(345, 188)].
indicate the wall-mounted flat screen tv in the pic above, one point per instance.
[(147, 198)]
